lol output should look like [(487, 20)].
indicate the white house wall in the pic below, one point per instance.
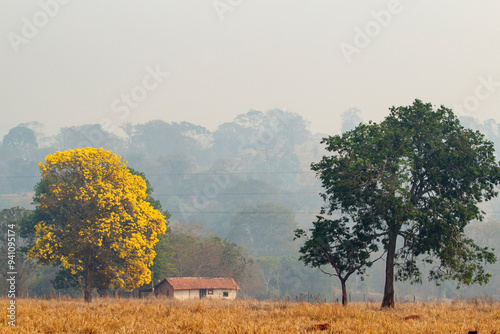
[(186, 294), (219, 294), (195, 294)]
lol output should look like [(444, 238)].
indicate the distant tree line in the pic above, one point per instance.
[(246, 186)]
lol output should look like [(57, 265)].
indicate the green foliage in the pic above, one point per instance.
[(156, 204), (332, 242), (21, 138), (163, 265), (272, 268), (9, 239), (64, 279), (417, 175), (197, 255), (253, 158), (265, 229)]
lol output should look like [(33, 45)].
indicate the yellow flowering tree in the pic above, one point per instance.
[(94, 218)]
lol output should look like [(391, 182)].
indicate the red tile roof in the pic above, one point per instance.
[(194, 283)]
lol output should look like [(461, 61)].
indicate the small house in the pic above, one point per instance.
[(196, 288)]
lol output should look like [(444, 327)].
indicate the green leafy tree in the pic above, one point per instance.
[(270, 266), (351, 118), (418, 176), (265, 229), (195, 254), (87, 135), (11, 245), (334, 243), (163, 265), (152, 136), (20, 138)]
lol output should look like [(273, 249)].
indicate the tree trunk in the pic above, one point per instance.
[(89, 270), (344, 292), (388, 300)]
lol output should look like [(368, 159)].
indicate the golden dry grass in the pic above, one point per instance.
[(246, 316)]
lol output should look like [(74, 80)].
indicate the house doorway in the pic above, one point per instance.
[(203, 293)]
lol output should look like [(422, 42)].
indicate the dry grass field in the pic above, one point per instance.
[(246, 316)]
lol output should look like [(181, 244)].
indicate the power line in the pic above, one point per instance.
[(247, 212), (216, 172), (211, 195), (18, 176), (241, 194), (15, 196), (212, 173), (270, 212)]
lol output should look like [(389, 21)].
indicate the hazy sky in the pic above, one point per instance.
[(72, 62)]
